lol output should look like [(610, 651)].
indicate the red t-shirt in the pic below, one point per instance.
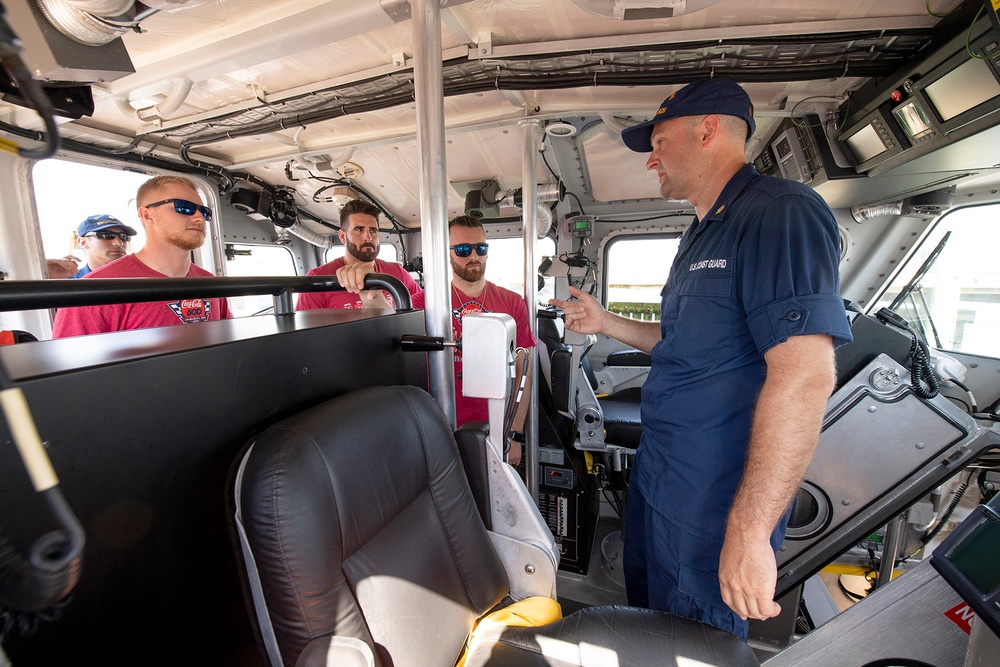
[(82, 320), (345, 299), (494, 299)]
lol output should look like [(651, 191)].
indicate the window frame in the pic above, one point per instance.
[(617, 237)]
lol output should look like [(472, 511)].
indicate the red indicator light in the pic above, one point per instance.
[(896, 95)]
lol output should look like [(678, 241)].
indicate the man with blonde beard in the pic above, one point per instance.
[(175, 219)]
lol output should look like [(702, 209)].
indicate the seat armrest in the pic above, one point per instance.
[(628, 358)]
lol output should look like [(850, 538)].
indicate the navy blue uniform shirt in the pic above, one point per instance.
[(761, 267)]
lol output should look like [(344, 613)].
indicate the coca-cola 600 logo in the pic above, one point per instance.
[(191, 310)]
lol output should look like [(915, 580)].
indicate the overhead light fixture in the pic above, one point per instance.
[(632, 10), (560, 129), (351, 170)]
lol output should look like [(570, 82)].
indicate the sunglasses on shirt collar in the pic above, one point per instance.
[(185, 207), (465, 249), (105, 235)]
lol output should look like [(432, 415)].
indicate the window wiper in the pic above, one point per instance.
[(914, 286), (919, 289)]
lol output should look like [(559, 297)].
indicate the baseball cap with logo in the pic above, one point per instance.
[(96, 223), (708, 96)]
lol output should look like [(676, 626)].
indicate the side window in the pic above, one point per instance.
[(66, 193), (949, 289), (506, 265), (256, 260), (635, 270)]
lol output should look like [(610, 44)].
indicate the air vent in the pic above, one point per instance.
[(560, 129)]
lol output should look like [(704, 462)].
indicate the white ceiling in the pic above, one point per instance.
[(240, 53)]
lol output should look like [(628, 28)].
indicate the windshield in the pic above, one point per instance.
[(949, 290)]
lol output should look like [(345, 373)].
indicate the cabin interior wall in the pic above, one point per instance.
[(238, 227), (878, 249), (21, 254)]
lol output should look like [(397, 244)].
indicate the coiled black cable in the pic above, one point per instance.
[(921, 372)]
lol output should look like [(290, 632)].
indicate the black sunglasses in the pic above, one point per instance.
[(465, 249), (185, 207), (105, 235)]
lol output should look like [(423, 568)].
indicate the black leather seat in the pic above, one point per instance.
[(354, 520)]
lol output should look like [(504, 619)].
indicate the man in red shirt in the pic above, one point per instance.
[(175, 220), (359, 233), (472, 293)]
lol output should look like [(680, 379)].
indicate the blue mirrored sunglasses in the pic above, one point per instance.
[(185, 207), (465, 249)]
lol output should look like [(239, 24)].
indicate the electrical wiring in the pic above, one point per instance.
[(864, 54), (578, 202), (315, 218), (968, 36), (965, 404), (791, 114), (927, 5), (545, 161), (661, 216), (972, 399), (517, 397), (32, 93), (943, 520)]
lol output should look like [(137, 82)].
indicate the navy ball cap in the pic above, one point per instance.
[(700, 98)]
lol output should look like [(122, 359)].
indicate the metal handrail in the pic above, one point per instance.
[(62, 293)]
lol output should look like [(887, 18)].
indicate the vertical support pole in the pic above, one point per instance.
[(432, 185), (890, 549), (283, 303), (529, 217)]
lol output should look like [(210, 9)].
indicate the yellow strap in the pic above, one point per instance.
[(527, 613), (8, 146), (25, 436)]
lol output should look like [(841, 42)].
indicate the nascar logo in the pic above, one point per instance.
[(189, 311)]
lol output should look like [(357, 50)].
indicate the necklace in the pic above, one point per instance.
[(463, 297)]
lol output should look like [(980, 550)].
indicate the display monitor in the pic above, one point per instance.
[(965, 87), (969, 560), (865, 143), (913, 119)]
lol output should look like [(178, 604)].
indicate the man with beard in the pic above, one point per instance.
[(472, 293), (174, 219), (359, 234)]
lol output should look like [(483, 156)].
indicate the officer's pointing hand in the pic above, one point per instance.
[(584, 315)]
